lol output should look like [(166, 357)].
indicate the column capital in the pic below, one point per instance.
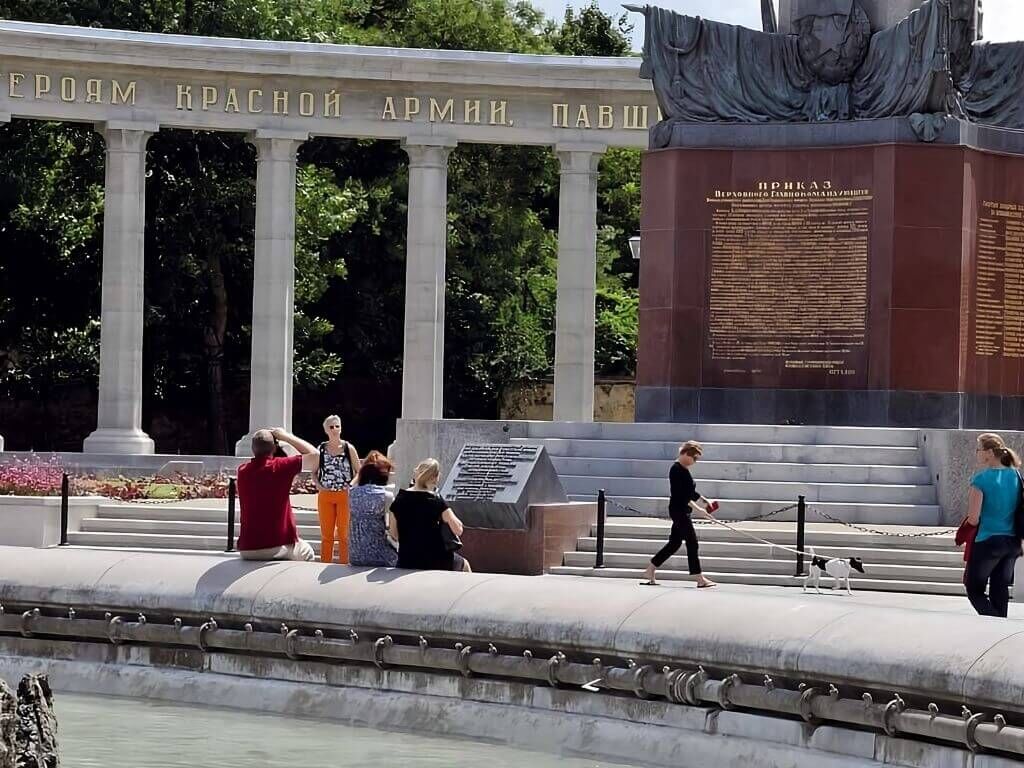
[(428, 151), (126, 135), (578, 157), (276, 145)]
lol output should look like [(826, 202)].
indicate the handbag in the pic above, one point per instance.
[(452, 543)]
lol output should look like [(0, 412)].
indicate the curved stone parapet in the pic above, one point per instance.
[(952, 658)]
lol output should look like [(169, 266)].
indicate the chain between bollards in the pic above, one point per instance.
[(801, 524), (64, 493), (599, 560), (231, 515)]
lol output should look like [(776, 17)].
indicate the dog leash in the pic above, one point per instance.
[(772, 545)]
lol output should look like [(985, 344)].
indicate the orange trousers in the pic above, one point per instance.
[(332, 506)]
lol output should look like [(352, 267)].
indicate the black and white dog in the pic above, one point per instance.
[(839, 570)]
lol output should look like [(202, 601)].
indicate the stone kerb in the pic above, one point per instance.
[(948, 657)]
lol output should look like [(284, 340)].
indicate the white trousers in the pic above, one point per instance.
[(300, 550)]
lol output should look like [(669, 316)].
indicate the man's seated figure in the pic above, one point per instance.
[(264, 490)]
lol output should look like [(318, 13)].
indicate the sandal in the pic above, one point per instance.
[(650, 584)]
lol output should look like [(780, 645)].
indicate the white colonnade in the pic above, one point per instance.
[(280, 94)]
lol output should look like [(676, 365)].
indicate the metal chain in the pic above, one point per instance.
[(878, 532), (825, 515), (765, 516)]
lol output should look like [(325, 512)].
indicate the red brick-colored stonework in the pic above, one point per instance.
[(922, 266)]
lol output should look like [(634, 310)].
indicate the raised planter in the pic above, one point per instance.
[(34, 521)]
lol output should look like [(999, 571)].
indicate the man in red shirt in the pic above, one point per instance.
[(264, 490)]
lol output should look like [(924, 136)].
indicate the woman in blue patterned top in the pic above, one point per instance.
[(369, 502), (992, 506)]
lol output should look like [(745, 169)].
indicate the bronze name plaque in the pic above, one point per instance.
[(999, 281), (788, 299)]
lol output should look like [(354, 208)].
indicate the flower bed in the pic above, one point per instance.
[(42, 477)]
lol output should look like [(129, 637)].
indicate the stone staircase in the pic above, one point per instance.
[(930, 565), (859, 475)]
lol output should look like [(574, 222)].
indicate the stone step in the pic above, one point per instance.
[(867, 584), (779, 567), (146, 541), (173, 527), (726, 490), (726, 433), (763, 452), (946, 558), (198, 514), (786, 534), (750, 471), (744, 509)]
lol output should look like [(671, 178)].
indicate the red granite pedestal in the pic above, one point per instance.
[(865, 285)]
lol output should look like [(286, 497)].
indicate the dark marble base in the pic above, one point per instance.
[(935, 410)]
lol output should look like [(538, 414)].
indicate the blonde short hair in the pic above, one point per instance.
[(332, 417), (426, 472), (691, 448)]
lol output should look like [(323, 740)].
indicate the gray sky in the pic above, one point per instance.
[(1004, 19)]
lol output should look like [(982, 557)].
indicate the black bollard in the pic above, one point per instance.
[(64, 492), (231, 515), (801, 522), (599, 560)]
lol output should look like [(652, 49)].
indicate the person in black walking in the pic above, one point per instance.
[(683, 500)]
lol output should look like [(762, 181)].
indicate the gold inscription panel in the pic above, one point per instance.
[(999, 285), (789, 284)]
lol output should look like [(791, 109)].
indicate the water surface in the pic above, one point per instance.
[(109, 732)]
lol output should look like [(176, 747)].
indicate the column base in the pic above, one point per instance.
[(122, 441), (1, 443), (243, 448)]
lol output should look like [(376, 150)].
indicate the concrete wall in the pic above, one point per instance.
[(560, 721), (34, 521), (950, 455), (787, 635), (613, 401)]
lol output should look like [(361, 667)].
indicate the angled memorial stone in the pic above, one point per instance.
[(493, 486)]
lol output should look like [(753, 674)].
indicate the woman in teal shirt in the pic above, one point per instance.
[(992, 506)]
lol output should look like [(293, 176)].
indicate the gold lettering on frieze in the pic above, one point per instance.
[(93, 91), (255, 102), (332, 103), (184, 96), (280, 102), (14, 80), (231, 101), (605, 116), (471, 111), (209, 97), (42, 85), (68, 89), (307, 104), (583, 117), (412, 107), (634, 118), (122, 96), (559, 115), (437, 114), (498, 109), (389, 109)]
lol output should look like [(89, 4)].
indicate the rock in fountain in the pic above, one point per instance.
[(28, 726)]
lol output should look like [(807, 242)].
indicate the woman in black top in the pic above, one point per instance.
[(420, 513), (684, 494)]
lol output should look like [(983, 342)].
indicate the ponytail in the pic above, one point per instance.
[(1006, 455)]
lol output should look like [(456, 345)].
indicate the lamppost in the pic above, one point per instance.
[(634, 246)]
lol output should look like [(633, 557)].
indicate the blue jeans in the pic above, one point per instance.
[(992, 562)]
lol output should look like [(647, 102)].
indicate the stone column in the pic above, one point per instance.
[(273, 284), (423, 357), (577, 282), (5, 117), (119, 417)]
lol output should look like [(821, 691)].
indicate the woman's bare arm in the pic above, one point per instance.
[(453, 522), (974, 499)]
